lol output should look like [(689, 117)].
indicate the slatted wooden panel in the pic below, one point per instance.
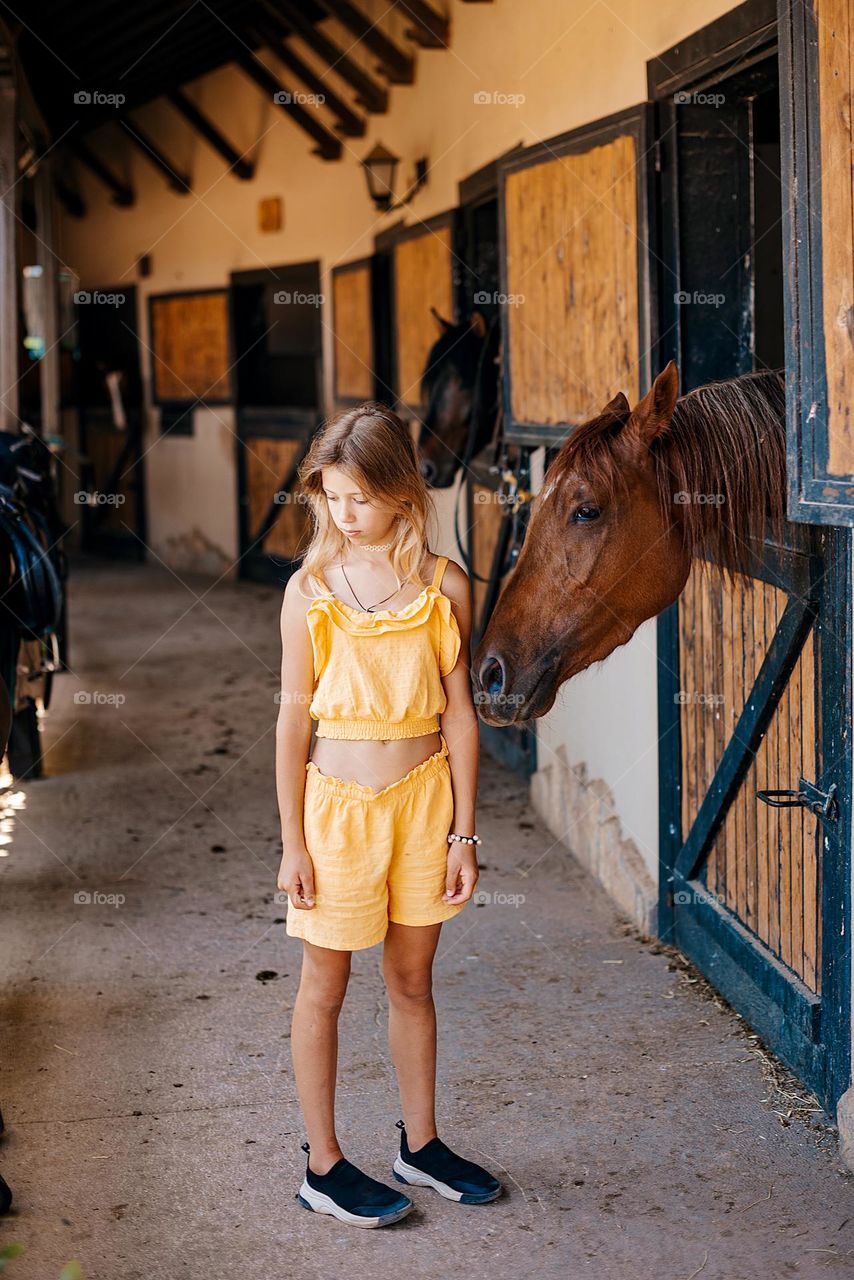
[(765, 863), (572, 273), (189, 340), (836, 83), (423, 278), (353, 340), (268, 461)]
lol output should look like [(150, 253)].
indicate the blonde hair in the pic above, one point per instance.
[(373, 445)]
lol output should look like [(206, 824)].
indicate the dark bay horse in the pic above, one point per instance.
[(630, 499), (460, 379)]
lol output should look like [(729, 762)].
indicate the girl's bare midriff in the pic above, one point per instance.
[(374, 763)]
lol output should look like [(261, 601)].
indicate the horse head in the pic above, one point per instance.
[(460, 379), (602, 553)]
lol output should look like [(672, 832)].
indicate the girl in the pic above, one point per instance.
[(378, 830)]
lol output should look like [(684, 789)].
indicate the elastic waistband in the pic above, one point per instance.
[(377, 729), (359, 791)]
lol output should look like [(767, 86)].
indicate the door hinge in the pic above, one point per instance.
[(822, 803)]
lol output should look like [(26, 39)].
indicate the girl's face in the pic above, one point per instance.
[(359, 518)]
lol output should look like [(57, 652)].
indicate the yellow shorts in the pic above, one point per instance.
[(377, 855)]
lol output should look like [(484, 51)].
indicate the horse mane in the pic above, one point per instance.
[(726, 445), (720, 467)]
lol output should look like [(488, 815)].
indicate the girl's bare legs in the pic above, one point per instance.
[(408, 954), (314, 1047)]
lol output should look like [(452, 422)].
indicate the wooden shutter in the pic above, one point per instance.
[(573, 220), (816, 77), (353, 347), (422, 274)]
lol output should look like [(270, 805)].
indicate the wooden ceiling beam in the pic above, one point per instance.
[(350, 123), (328, 146), (430, 29), (70, 199), (398, 65), (370, 93), (138, 30), (122, 194), (179, 182), (208, 130)]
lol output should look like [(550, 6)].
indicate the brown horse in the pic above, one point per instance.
[(629, 500), (459, 389)]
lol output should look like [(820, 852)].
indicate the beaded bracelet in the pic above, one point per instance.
[(464, 839)]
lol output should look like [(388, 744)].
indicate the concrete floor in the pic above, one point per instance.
[(153, 1125)]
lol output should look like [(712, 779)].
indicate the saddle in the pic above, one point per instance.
[(32, 564)]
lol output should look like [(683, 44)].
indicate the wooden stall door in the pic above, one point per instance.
[(754, 687), (110, 406), (276, 325), (754, 884)]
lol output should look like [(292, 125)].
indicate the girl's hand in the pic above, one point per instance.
[(462, 873), (296, 879)]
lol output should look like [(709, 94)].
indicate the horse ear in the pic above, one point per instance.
[(651, 415), (477, 324), (443, 324), (619, 407)]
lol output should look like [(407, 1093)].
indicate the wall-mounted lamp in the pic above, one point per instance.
[(380, 167)]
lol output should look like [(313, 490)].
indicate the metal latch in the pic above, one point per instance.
[(822, 803)]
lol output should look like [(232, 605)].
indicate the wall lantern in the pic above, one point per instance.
[(380, 167)]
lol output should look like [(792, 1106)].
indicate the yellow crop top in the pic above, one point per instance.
[(378, 675)]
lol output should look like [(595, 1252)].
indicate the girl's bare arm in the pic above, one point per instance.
[(293, 740), (460, 729)]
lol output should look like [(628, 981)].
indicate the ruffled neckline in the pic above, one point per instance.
[(357, 620)]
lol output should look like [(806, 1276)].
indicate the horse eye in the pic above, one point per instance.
[(585, 513)]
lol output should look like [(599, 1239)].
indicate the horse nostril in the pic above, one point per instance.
[(492, 676), (428, 470)]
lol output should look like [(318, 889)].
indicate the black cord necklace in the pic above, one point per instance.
[(372, 607)]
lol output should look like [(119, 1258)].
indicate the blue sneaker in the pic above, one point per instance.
[(436, 1165), (351, 1196)]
